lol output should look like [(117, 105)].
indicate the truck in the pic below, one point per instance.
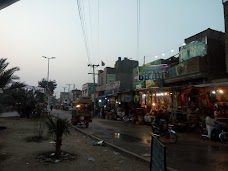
[(81, 112)]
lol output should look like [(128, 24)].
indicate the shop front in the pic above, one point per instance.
[(151, 100), (212, 98)]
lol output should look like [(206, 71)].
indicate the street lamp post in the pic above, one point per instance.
[(48, 100)]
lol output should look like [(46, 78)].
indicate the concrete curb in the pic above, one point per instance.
[(119, 149)]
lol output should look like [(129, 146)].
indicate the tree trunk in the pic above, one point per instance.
[(58, 147)]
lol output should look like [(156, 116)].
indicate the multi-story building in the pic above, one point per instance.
[(124, 74), (75, 94), (201, 60), (119, 78), (88, 89), (64, 96), (113, 81)]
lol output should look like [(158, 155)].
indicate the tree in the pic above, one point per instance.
[(51, 85), (6, 75), (57, 128), (23, 101), (6, 81)]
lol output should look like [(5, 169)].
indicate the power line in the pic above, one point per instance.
[(98, 31), (91, 30), (83, 24), (138, 28)]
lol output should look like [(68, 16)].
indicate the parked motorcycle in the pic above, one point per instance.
[(217, 134), (169, 133), (127, 118)]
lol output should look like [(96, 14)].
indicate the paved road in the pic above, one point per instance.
[(190, 153)]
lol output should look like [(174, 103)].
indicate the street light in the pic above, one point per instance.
[(48, 80)]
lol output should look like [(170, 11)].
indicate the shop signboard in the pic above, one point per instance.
[(152, 72), (111, 86), (158, 155), (193, 49), (136, 82)]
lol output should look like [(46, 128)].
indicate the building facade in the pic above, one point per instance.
[(88, 89), (201, 60), (225, 5), (75, 94)]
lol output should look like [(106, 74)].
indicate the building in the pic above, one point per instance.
[(117, 79), (75, 94), (225, 5), (201, 60), (88, 90), (124, 74), (64, 96)]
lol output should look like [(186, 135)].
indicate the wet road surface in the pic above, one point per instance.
[(191, 152)]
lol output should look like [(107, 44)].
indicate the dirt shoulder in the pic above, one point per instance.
[(16, 154)]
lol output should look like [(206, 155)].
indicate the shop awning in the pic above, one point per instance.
[(212, 85), (6, 3)]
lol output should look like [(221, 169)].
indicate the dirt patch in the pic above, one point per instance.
[(50, 157), (78, 150)]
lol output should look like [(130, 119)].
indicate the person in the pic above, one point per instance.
[(101, 112), (51, 107), (209, 125), (160, 121)]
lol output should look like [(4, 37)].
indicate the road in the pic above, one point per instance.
[(191, 152)]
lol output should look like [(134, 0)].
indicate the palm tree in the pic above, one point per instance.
[(56, 128), (6, 75)]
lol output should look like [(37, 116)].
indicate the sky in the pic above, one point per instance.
[(82, 32)]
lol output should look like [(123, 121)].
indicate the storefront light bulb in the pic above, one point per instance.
[(213, 92), (153, 104), (221, 91)]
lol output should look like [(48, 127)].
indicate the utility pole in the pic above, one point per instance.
[(69, 91), (64, 93), (94, 90)]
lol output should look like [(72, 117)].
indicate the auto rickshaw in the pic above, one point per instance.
[(81, 112)]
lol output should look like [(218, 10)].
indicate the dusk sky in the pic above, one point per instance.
[(30, 29)]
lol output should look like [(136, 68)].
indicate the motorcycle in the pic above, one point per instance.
[(217, 134), (169, 133)]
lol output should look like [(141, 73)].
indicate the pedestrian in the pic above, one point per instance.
[(51, 107), (101, 112), (209, 124)]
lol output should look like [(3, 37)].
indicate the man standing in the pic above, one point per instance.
[(209, 125)]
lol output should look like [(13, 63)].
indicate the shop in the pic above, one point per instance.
[(155, 99), (206, 98)]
